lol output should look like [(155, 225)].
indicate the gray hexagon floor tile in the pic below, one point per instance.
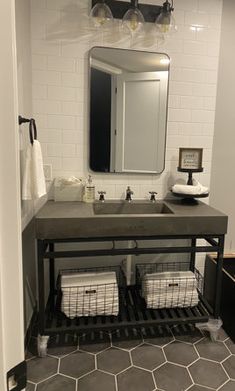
[(187, 333), (113, 360), (222, 335), (180, 353), (77, 364), (57, 383), (158, 336), (97, 381), (32, 349), (230, 345), (94, 346), (215, 351), (135, 379), (171, 377), (39, 369), (208, 373), (127, 338), (127, 344), (159, 341), (200, 388), (29, 355), (229, 366), (60, 351), (147, 356), (230, 386), (30, 387)]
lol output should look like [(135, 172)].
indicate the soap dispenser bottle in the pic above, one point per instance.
[(89, 194)]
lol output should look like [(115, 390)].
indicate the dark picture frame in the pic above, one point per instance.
[(190, 159)]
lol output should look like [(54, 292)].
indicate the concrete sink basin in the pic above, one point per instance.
[(62, 220), (133, 207)]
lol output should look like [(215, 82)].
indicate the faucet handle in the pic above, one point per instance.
[(129, 193), (102, 194), (129, 190), (153, 196)]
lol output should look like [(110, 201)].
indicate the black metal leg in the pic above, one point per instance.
[(52, 277), (41, 289), (219, 272), (193, 255)]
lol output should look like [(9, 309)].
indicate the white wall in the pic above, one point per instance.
[(11, 290), (24, 80), (222, 179), (60, 89)]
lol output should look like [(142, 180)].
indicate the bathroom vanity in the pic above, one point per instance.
[(120, 221)]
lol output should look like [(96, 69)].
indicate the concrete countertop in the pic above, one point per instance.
[(64, 220)]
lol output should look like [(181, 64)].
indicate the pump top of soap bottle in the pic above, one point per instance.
[(89, 180)]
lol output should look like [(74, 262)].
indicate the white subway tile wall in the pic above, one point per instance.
[(60, 89)]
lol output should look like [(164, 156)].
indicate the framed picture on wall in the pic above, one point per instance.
[(190, 158)]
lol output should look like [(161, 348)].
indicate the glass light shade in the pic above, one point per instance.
[(101, 14), (165, 23), (133, 20)]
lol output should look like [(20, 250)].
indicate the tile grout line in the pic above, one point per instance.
[(219, 388), (189, 373), (193, 362), (69, 377), (116, 382), (85, 374), (123, 370), (208, 388)]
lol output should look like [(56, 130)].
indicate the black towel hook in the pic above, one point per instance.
[(32, 127), (32, 130), (22, 120)]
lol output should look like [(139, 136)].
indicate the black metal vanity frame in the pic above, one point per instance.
[(132, 314)]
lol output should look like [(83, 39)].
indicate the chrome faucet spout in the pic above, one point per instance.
[(129, 193)]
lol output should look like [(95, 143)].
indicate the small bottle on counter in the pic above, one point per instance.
[(89, 192)]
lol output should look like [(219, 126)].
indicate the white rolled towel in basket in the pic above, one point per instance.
[(170, 289), (89, 294)]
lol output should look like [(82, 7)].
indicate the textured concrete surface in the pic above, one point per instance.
[(77, 219)]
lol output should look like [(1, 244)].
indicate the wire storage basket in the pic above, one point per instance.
[(169, 284), (90, 291)]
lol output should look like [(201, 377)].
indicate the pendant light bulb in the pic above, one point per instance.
[(101, 14), (165, 21), (133, 19)]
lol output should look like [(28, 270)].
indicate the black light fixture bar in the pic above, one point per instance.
[(119, 8)]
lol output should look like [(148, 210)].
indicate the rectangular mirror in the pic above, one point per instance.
[(128, 110)]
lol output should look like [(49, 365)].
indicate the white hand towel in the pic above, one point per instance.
[(38, 177), (26, 183), (171, 300), (34, 184), (194, 189)]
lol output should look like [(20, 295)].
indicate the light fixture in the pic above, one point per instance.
[(133, 19), (136, 18), (165, 21), (101, 14)]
